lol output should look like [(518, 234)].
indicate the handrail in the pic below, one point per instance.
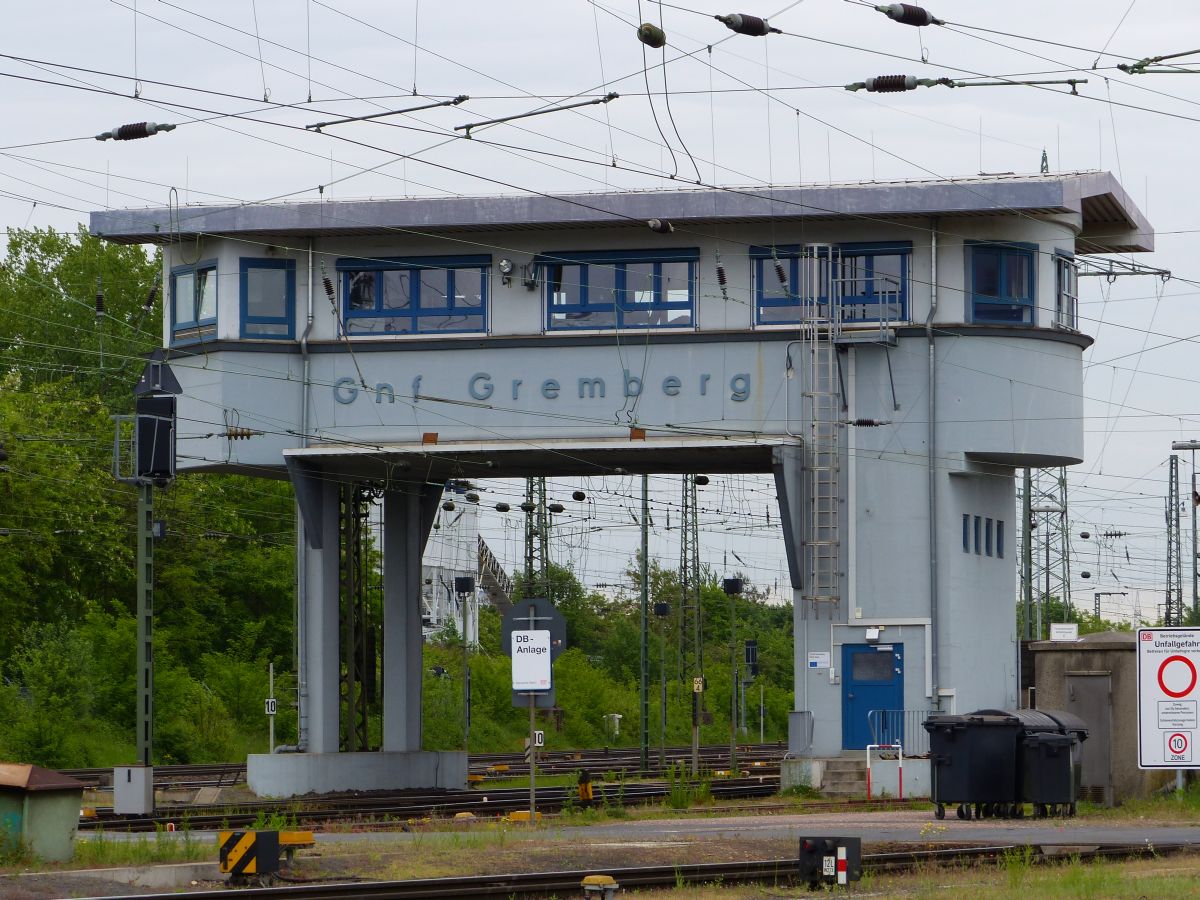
[(899, 767)]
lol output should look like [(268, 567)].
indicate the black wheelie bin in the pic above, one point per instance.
[(1050, 761), (974, 763)]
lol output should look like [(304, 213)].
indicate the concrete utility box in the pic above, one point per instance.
[(40, 809), (133, 790), (1096, 679)]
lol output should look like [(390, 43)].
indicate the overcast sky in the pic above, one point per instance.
[(777, 114)]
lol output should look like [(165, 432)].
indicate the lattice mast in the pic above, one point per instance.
[(691, 627), (1173, 608), (537, 539), (1046, 542)]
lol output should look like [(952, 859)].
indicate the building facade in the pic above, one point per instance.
[(891, 353)]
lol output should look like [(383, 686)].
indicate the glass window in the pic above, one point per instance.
[(871, 665), (416, 295), (966, 533), (1066, 302), (608, 292), (194, 301), (978, 529), (1000, 538), (987, 537), (268, 298), (869, 282), (1002, 284)]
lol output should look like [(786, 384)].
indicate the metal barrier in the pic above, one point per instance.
[(900, 726), (899, 767)]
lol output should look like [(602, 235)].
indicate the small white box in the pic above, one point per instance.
[(133, 790)]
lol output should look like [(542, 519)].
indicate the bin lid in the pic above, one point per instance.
[(1029, 719), (24, 777), (1069, 722), (1056, 738), (943, 721)]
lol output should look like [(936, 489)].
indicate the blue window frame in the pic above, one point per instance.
[(267, 290), (414, 295), (620, 289), (1002, 278), (871, 280), (194, 302), (1066, 291)]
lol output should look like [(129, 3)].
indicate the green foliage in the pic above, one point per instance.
[(1055, 610)]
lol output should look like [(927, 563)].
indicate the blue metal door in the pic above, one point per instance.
[(872, 679)]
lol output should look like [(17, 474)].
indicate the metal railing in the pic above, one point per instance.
[(900, 726)]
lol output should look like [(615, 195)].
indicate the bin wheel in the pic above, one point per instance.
[(1018, 810), (988, 810), (939, 812), (979, 810), (964, 811), (1039, 811), (1071, 810)]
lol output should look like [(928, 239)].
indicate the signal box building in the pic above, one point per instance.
[(890, 352)]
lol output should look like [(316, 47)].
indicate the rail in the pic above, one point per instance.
[(900, 726)]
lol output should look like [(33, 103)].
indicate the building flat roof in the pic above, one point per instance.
[(1111, 221)]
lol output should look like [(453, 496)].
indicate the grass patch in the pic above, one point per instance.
[(1184, 807), (98, 849)]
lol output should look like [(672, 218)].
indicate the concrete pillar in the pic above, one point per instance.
[(405, 531), (321, 647)]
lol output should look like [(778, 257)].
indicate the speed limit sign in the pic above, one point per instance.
[(270, 706)]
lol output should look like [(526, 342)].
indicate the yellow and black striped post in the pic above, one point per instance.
[(249, 852)]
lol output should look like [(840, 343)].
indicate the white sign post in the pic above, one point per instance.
[(531, 660), (1168, 692)]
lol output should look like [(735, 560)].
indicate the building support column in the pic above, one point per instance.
[(408, 512), (320, 648)]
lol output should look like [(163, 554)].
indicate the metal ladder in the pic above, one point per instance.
[(820, 325)]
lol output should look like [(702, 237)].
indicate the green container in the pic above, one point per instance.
[(39, 809)]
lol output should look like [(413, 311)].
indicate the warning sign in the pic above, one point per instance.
[(1168, 669)]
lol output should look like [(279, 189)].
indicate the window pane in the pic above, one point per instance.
[(871, 665), (887, 272), (978, 541), (966, 533), (379, 325), (587, 318), (267, 329), (854, 276), (986, 272), (639, 284), (1000, 538), (434, 291), (774, 315), (266, 293), (468, 289), (472, 322), (675, 287), (1016, 270), (397, 292), (185, 298), (987, 537), (565, 284), (361, 291), (206, 288), (601, 284)]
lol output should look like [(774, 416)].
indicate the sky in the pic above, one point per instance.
[(243, 78)]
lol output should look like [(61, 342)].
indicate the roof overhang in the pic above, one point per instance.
[(1111, 223)]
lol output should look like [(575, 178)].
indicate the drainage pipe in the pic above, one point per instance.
[(301, 628), (932, 467)]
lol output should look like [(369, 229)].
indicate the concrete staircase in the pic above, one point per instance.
[(844, 776)]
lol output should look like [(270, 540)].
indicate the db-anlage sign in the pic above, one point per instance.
[(531, 660)]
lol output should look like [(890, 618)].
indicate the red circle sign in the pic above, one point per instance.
[(1191, 681), (1177, 743)]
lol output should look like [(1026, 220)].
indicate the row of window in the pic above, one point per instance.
[(983, 535), (606, 290)]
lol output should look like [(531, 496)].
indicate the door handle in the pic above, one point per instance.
[(849, 696)]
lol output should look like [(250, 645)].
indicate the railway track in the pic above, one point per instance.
[(773, 871), (412, 805)]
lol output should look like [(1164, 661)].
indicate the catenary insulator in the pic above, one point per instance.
[(744, 24), (781, 274), (502, 507), (99, 298), (660, 226), (701, 480), (472, 497), (651, 35), (556, 507), (133, 132), (722, 278), (528, 507), (153, 295), (448, 506), (887, 84), (907, 14), (579, 495)]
